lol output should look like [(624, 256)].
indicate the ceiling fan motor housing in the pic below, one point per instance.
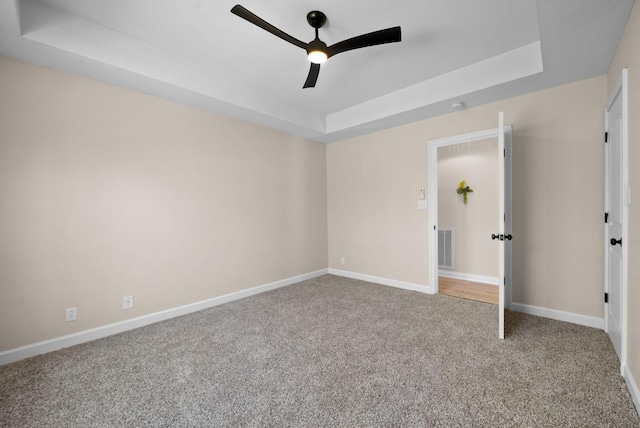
[(317, 45)]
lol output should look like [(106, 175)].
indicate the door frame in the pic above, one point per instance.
[(433, 199), (620, 89)]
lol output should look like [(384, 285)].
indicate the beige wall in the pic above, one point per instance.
[(374, 180), (477, 163), (628, 55), (108, 192)]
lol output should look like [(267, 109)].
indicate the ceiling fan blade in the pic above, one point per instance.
[(312, 78), (256, 20), (389, 35)]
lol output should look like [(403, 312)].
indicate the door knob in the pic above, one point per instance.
[(615, 241), (501, 237)]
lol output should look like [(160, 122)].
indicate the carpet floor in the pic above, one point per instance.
[(328, 352)]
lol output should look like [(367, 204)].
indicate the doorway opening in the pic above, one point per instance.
[(503, 219), (467, 261)]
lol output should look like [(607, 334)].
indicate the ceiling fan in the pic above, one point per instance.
[(317, 50)]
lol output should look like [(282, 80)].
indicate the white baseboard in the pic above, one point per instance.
[(559, 315), (31, 350), (491, 280), (382, 281), (632, 386)]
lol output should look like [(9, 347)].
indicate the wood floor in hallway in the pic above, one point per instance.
[(477, 291)]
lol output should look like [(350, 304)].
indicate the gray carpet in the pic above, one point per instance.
[(328, 352)]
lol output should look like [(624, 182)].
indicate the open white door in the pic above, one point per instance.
[(504, 222), (501, 210), (616, 202)]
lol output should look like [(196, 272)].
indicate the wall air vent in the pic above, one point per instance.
[(446, 247)]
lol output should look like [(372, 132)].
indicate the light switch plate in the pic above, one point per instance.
[(422, 204)]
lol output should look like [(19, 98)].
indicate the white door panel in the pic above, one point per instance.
[(501, 205), (504, 221), (614, 226), (615, 217)]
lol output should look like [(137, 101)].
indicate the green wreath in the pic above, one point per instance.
[(463, 189)]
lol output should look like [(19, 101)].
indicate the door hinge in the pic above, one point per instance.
[(606, 137), (504, 154), (606, 218), (606, 297)]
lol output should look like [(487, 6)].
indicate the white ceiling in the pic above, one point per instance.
[(198, 53)]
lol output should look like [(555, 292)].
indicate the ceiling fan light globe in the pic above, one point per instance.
[(317, 57)]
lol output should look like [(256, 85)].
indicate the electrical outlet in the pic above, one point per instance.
[(342, 260), (72, 314), (127, 302)]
